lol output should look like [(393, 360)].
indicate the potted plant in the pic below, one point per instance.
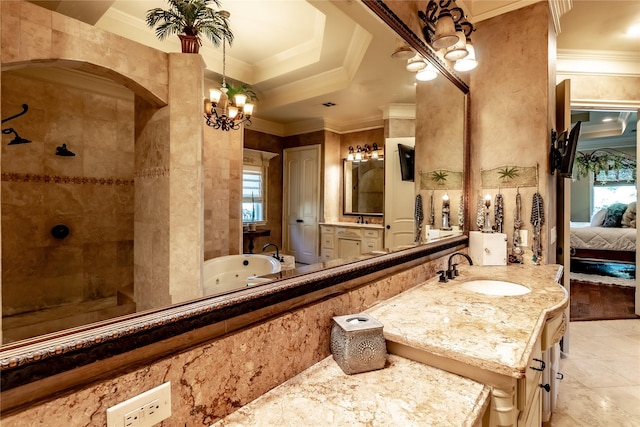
[(189, 19)]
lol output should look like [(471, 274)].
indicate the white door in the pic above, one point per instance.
[(301, 202), (399, 198)]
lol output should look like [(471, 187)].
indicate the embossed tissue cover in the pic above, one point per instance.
[(357, 343)]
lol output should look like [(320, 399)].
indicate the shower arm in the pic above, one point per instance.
[(25, 107)]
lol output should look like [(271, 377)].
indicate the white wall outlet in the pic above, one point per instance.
[(143, 410), (554, 235), (524, 237)]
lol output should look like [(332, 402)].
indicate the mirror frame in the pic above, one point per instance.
[(24, 365)]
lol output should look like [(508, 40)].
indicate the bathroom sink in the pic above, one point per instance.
[(495, 287)]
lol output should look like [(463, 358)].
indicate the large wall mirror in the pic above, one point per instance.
[(363, 187), (45, 355)]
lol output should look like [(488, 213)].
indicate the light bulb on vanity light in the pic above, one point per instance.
[(487, 200), (469, 62)]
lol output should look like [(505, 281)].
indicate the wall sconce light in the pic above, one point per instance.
[(429, 73), (416, 63), (446, 27)]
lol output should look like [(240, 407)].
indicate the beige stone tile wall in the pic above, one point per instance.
[(212, 380), (92, 193)]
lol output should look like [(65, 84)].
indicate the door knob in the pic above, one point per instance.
[(388, 227)]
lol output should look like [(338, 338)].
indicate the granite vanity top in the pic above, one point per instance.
[(404, 393), (496, 333)]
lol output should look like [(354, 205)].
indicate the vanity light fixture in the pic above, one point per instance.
[(416, 63), (469, 62), (445, 27), (362, 153), (429, 73), (224, 113)]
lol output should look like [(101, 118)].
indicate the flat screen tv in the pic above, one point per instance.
[(569, 152), (407, 160)]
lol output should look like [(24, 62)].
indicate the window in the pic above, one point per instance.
[(613, 187), (255, 168), (253, 194)]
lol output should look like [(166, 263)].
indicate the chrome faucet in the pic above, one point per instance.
[(452, 271), (277, 255)]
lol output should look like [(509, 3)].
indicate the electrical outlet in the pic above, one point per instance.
[(524, 238), (143, 410)]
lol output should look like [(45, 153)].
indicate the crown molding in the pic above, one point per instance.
[(597, 63), (559, 8)]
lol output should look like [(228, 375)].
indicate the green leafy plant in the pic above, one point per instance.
[(243, 88), (508, 173), (600, 160), (191, 18), (439, 177)]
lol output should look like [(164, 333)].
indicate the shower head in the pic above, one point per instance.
[(17, 139), (64, 151)]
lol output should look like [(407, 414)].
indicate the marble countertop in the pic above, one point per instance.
[(404, 393), (496, 333)]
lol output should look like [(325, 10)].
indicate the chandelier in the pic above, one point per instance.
[(222, 112), (447, 30)]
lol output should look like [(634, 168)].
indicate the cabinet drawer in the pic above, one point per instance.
[(326, 241), (372, 233), (554, 329), (326, 229), (371, 245), (326, 254), (348, 232)]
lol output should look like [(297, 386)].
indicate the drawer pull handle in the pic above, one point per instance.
[(542, 365), (559, 376), (299, 220), (546, 387)]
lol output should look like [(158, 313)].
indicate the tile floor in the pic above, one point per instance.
[(601, 385)]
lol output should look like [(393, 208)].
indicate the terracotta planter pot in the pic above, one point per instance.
[(190, 44)]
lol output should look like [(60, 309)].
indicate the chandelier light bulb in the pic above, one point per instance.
[(233, 112), (248, 109), (214, 95), (240, 100)]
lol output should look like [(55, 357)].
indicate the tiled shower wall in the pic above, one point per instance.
[(91, 193)]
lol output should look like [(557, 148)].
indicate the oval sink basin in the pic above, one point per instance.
[(495, 287)]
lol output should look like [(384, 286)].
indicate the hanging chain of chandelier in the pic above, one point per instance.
[(221, 112), (447, 30)]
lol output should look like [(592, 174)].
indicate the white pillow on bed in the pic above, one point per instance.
[(598, 218)]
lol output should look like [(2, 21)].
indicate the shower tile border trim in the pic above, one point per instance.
[(58, 179)]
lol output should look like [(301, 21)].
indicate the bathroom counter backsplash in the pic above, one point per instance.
[(404, 393), (496, 333)]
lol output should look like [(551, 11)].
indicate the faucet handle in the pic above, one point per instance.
[(455, 271), (443, 277)]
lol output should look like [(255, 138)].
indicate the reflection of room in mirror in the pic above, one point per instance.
[(364, 187)]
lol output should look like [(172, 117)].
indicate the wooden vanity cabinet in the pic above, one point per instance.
[(339, 241)]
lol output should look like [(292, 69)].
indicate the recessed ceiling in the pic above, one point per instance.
[(298, 55)]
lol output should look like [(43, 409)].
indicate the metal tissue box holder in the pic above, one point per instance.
[(357, 343)]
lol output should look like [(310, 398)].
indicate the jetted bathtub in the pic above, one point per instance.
[(236, 272)]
